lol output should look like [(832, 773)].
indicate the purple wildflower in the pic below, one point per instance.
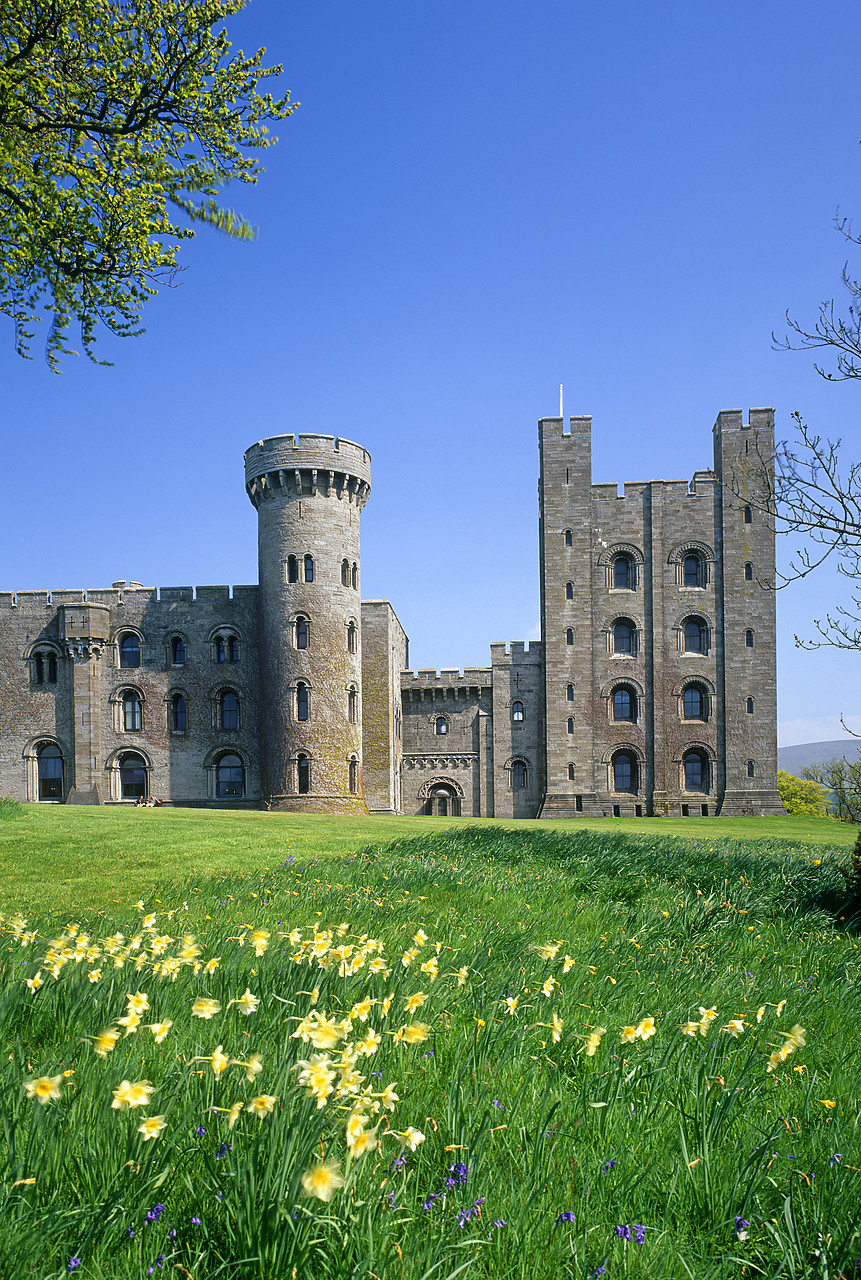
[(608, 1165), (741, 1226), (567, 1216), (640, 1234), (195, 1222), (73, 1264), (199, 1131), (154, 1214), (836, 1158), (623, 1231), (496, 1103)]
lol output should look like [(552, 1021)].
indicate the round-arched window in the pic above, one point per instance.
[(696, 769), (301, 632), (133, 776), (695, 635), (623, 573), (517, 711), (303, 773), (50, 770), (695, 703), (624, 767), (441, 726), (693, 570), (132, 711), (177, 651), (130, 650), (229, 710), (624, 636), (302, 701), (625, 703), (229, 777), (518, 773)]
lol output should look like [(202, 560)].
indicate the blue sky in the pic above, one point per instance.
[(475, 202)]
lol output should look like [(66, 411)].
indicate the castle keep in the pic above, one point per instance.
[(652, 690)]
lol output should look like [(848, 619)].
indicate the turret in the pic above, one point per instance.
[(309, 492)]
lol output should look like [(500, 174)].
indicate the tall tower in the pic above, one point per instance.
[(309, 491)]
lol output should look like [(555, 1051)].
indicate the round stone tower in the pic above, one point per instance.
[(309, 491)]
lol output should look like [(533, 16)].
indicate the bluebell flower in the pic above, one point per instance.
[(623, 1231), (567, 1216), (608, 1165), (836, 1158), (199, 1131), (73, 1264), (640, 1233)]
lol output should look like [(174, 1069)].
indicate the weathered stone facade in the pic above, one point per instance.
[(653, 689)]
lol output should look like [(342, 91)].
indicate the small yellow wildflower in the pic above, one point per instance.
[(46, 1089), (149, 921), (151, 1127), (35, 982), (203, 1007), (549, 986), (411, 1137), (828, 1102), (262, 1105), (415, 1032), (415, 1001), (462, 975), (323, 1180), (628, 1035), (160, 1029), (593, 1040), (138, 1003), (104, 1042), (127, 1094), (645, 1029)]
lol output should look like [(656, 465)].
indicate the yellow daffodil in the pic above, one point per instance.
[(415, 1001), (707, 1017), (547, 950), (149, 921), (212, 964), (646, 1029), (511, 1004), (131, 1022), (593, 1040), (734, 1027), (138, 1003), (217, 1060), (325, 1032), (369, 1044), (160, 1029), (260, 941), (386, 1006), (377, 965), (46, 1089), (779, 1008), (556, 1028), (233, 1114), (415, 1032), (322, 1180), (105, 1041), (35, 982), (828, 1102), (95, 975), (317, 1075), (568, 963), (262, 1105), (361, 1010), (431, 968), (253, 1066), (409, 956), (628, 1035), (462, 975), (388, 1097), (411, 1137), (203, 1007), (139, 906), (127, 1094), (796, 1036), (151, 1127), (247, 1003), (420, 938)]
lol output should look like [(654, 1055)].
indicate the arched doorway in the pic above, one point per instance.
[(443, 802), (50, 772)]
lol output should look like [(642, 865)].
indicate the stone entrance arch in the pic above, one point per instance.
[(442, 798)]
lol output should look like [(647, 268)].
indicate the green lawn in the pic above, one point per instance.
[(71, 858)]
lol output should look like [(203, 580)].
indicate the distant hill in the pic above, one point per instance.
[(793, 759)]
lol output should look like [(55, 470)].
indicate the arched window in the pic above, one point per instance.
[(52, 668), (177, 651), (623, 573), (133, 776), (696, 767), (569, 694), (624, 636), (130, 650), (570, 724), (751, 769), (748, 639), (693, 571), (695, 636), (748, 571), (220, 649), (303, 773), (44, 668), (517, 711), (178, 713), (441, 726), (232, 649), (354, 775), (302, 701), (229, 777), (570, 773), (292, 569), (569, 538), (38, 669), (694, 703), (352, 706), (518, 774), (50, 772), (228, 710), (354, 576), (301, 632), (624, 703), (624, 769), (132, 711), (352, 637), (345, 573), (569, 636), (569, 590), (748, 516), (750, 706), (309, 568)]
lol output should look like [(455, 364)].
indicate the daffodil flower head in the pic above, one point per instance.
[(127, 1094), (411, 1137), (206, 1008), (262, 1105), (628, 1035), (105, 1042), (45, 1089), (151, 1127), (322, 1180), (645, 1029)]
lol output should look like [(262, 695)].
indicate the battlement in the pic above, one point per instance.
[(531, 652), (733, 420), (297, 465), (146, 597), (429, 679)]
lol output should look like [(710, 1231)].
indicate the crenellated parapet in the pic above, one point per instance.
[(296, 466)]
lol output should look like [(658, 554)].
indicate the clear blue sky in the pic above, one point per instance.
[(475, 202)]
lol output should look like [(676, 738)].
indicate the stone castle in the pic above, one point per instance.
[(652, 690)]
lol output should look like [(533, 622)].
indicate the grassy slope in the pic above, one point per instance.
[(69, 858)]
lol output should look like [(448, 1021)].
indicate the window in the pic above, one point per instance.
[(44, 668), (178, 713), (750, 706), (52, 668), (569, 590), (570, 724), (133, 776), (624, 769), (569, 636), (50, 772), (624, 703), (177, 652), (303, 773), (302, 701), (220, 650), (578, 804), (229, 778), (232, 649), (517, 711), (345, 573), (751, 769), (748, 639), (570, 773), (352, 706), (352, 636), (309, 568), (623, 573), (569, 538), (354, 775), (570, 693), (694, 703), (518, 774), (748, 516), (354, 576), (228, 709), (38, 669), (693, 571), (441, 726), (130, 650), (292, 569), (748, 571), (695, 636), (624, 636), (301, 632), (132, 711), (696, 769)]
